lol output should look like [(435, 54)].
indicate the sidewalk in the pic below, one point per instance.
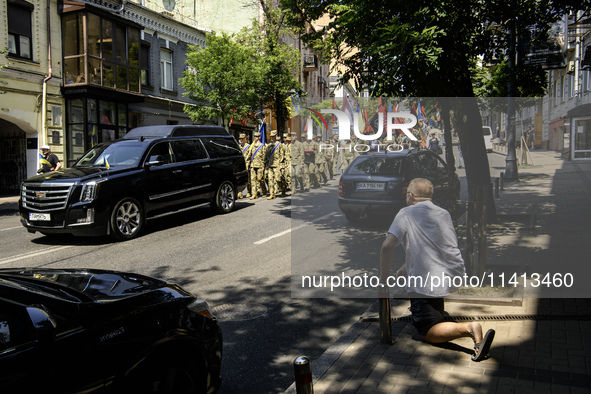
[(542, 345), (8, 205)]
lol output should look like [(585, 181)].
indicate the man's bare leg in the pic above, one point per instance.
[(448, 331)]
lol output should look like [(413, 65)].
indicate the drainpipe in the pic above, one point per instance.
[(49, 76)]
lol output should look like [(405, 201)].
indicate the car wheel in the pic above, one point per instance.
[(127, 219), (225, 198)]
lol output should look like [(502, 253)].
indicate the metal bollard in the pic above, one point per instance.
[(385, 313), (303, 375), (497, 187), (502, 181)]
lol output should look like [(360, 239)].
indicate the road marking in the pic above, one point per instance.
[(262, 241), (32, 254), (10, 228)]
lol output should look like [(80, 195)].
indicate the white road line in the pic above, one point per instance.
[(262, 241), (10, 228), (32, 254)]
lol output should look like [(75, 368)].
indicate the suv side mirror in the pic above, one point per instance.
[(43, 323), (155, 160)]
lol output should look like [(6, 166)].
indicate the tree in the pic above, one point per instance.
[(426, 49), (225, 78), (278, 60)]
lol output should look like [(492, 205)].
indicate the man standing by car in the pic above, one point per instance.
[(49, 161), (256, 160), (427, 234)]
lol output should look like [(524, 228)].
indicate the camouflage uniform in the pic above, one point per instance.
[(244, 148), (333, 165), (274, 152), (286, 166), (310, 150), (299, 170), (320, 161), (256, 159)]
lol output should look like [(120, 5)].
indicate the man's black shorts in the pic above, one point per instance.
[(426, 312)]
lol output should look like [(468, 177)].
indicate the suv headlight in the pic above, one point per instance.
[(88, 191)]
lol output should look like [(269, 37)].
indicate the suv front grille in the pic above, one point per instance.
[(46, 197)]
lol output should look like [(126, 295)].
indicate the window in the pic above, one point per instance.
[(20, 36), (112, 55), (145, 64), (564, 89), (188, 150), (166, 69)]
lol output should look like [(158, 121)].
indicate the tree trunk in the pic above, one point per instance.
[(468, 124), (449, 154)]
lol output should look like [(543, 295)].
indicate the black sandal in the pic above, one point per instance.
[(481, 348)]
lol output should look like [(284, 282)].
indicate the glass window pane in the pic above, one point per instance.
[(108, 74), (133, 37), (74, 70), (11, 44), (25, 44), (107, 39), (73, 30), (134, 80), (92, 111), (94, 34), (121, 77), (122, 111), (107, 109), (94, 70), (75, 111), (120, 44)]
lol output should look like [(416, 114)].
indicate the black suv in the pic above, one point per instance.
[(117, 185), (375, 184), (98, 331)]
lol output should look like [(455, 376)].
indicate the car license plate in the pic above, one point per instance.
[(370, 185), (40, 217)]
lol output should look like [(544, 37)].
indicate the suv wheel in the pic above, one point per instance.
[(225, 198), (126, 219)]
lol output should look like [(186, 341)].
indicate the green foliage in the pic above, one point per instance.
[(423, 48), (278, 60), (225, 78)]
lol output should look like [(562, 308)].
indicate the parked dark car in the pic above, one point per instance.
[(95, 331), (375, 184), (152, 172)]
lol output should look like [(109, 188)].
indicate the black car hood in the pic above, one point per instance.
[(97, 285), (75, 173)]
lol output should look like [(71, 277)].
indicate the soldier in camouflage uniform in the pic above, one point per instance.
[(286, 167), (274, 153), (320, 162), (244, 145), (310, 150), (256, 159), (299, 170), (335, 155)]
